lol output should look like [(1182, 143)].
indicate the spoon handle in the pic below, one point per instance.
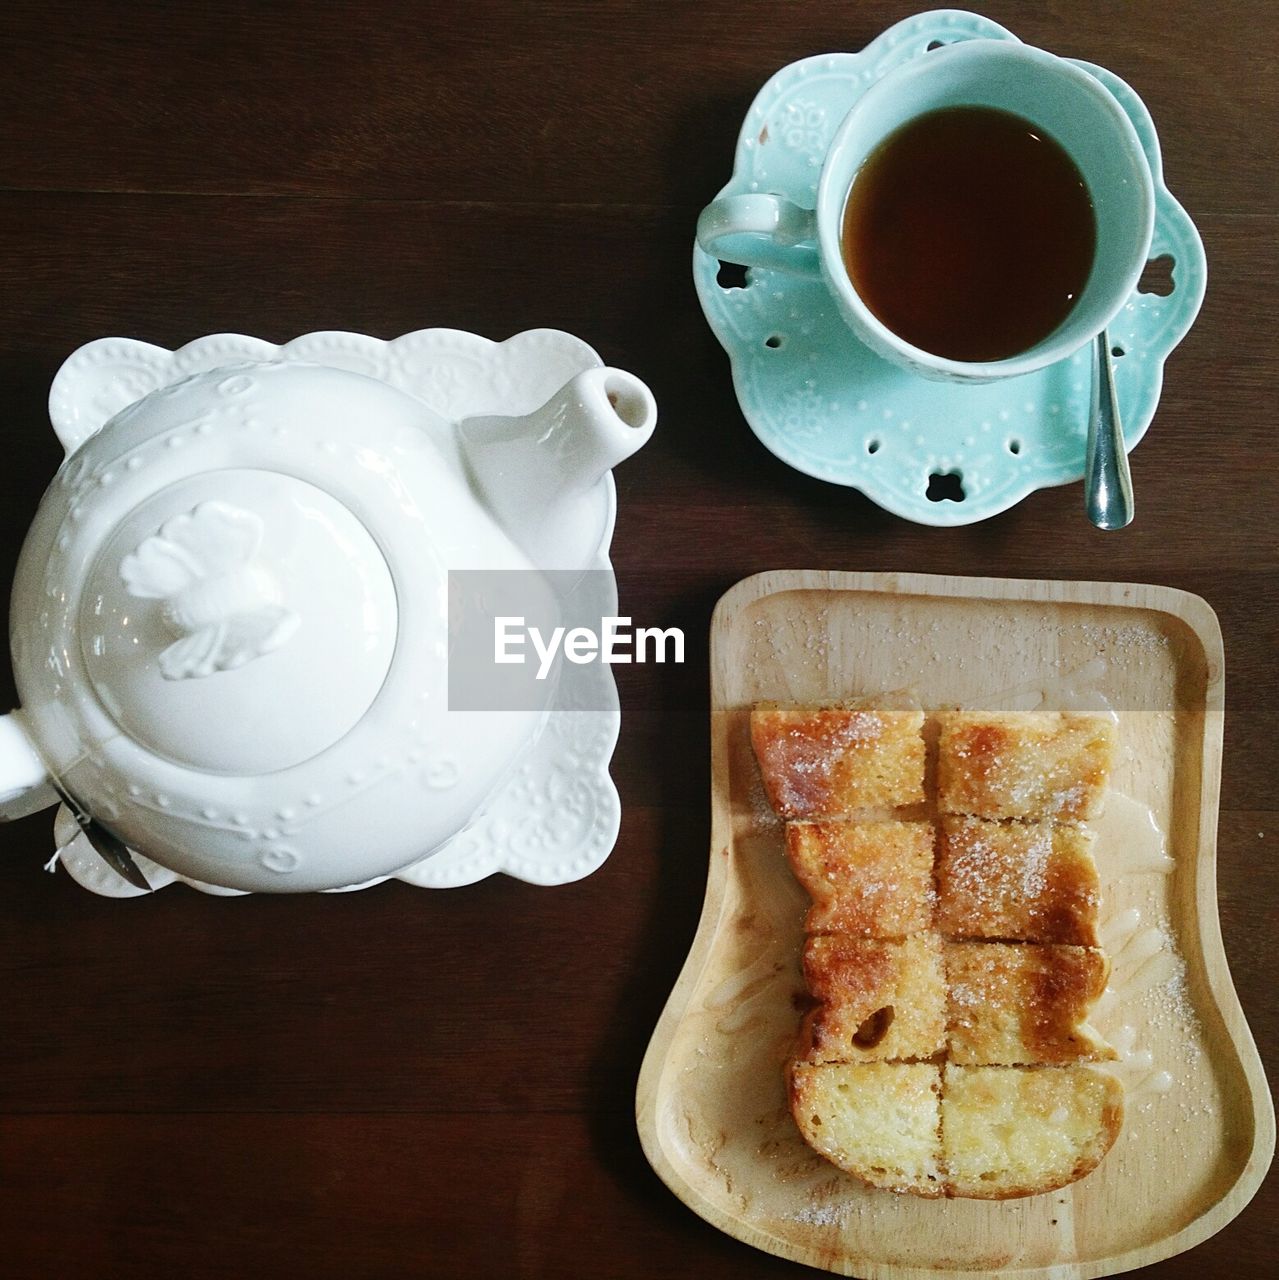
[(1107, 479)]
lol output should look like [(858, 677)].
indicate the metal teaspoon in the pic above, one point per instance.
[(1107, 480), (113, 851)]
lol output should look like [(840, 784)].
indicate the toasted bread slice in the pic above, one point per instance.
[(1038, 765), (879, 1121), (880, 1001), (1016, 1003), (1018, 1131), (832, 762), (1029, 882), (867, 879)]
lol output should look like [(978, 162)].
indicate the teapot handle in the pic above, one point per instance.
[(25, 785)]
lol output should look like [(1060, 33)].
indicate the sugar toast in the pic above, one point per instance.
[(866, 879), (879, 1121), (1037, 765), (878, 1000), (834, 761), (1011, 1003), (1016, 1131), (1029, 882)]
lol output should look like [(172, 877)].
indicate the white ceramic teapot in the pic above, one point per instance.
[(230, 617)]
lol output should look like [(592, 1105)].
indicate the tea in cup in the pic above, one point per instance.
[(983, 211)]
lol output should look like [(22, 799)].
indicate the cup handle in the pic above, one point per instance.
[(761, 231)]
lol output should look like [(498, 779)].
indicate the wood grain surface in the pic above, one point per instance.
[(404, 1083)]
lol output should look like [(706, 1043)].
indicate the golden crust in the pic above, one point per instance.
[(1015, 1003), (832, 762), (878, 1121), (1029, 882), (1017, 1131), (879, 1001), (1038, 765), (954, 1068), (869, 880)]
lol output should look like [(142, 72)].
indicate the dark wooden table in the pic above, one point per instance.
[(402, 1083)]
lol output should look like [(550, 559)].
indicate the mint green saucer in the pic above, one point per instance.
[(932, 452)]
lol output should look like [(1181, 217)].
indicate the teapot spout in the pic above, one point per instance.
[(543, 475)]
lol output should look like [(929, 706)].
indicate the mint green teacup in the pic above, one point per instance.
[(767, 230)]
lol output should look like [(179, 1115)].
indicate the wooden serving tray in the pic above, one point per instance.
[(1199, 1129)]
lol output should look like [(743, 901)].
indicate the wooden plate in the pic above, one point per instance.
[(1199, 1130)]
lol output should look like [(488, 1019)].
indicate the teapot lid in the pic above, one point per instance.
[(232, 553), (239, 621)]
